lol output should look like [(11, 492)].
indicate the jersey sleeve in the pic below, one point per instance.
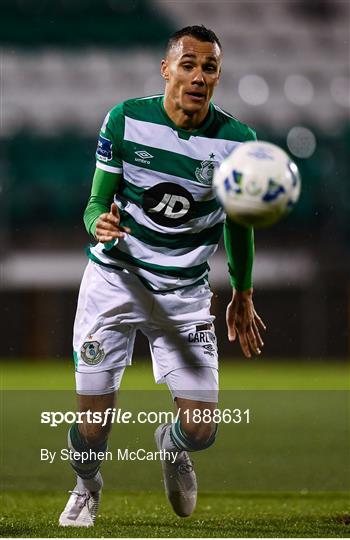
[(104, 185), (239, 245), (110, 142), (239, 242)]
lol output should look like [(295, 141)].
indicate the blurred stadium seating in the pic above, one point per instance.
[(285, 72)]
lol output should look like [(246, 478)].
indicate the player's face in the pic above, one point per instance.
[(192, 70)]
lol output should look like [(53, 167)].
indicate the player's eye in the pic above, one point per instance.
[(187, 66)]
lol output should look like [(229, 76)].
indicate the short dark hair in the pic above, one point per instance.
[(198, 32)]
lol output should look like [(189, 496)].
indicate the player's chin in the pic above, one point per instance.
[(194, 105)]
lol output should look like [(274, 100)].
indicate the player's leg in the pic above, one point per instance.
[(195, 392), (192, 431), (184, 355), (103, 344), (87, 441)]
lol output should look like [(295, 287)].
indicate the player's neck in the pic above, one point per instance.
[(183, 119)]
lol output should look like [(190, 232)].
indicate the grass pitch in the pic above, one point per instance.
[(241, 374), (147, 515), (286, 475)]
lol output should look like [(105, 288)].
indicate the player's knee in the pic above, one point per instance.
[(201, 435)]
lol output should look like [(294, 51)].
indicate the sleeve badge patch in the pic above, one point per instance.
[(104, 149)]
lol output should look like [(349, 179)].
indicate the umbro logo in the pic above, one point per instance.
[(143, 157), (143, 154)]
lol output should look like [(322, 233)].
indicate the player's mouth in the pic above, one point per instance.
[(196, 96)]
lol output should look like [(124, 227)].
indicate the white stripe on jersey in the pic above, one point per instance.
[(146, 178), (108, 168), (184, 257), (157, 282), (166, 138), (192, 226)]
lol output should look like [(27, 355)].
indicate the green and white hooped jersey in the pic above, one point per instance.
[(165, 194)]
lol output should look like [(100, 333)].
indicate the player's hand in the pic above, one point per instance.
[(107, 226), (243, 320)]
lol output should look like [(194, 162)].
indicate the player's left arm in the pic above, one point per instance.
[(241, 317)]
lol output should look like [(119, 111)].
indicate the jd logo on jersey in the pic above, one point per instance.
[(168, 204)]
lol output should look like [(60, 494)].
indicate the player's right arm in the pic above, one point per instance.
[(101, 216)]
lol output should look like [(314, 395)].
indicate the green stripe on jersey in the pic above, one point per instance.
[(163, 161), (173, 271), (206, 237), (148, 109), (151, 109), (218, 125), (145, 282)]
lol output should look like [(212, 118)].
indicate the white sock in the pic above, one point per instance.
[(167, 443)]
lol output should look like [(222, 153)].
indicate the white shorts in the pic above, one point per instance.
[(198, 384), (113, 305)]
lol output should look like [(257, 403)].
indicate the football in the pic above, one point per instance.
[(257, 184)]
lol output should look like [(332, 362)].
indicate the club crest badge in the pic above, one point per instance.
[(205, 172), (92, 353)]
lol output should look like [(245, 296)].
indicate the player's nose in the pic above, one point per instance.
[(198, 77)]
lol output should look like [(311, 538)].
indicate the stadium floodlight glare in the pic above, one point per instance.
[(253, 89), (299, 90), (301, 142)]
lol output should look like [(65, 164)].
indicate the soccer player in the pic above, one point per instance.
[(157, 222)]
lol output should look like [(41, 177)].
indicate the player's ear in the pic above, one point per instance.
[(164, 69), (218, 78)]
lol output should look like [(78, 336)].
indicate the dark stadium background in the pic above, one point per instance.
[(285, 72)]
